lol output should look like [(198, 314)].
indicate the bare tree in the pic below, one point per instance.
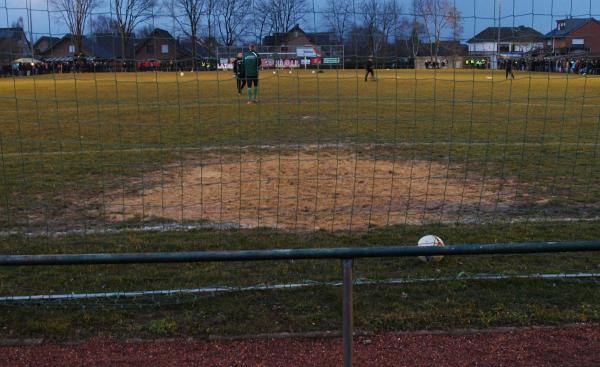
[(128, 15), (187, 15), (370, 12), (391, 21), (18, 24), (103, 24), (144, 31), (75, 14), (414, 40), (232, 17), (260, 19), (438, 16), (282, 15), (381, 19), (210, 12), (337, 17), (456, 23)]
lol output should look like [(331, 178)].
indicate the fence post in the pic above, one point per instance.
[(347, 311)]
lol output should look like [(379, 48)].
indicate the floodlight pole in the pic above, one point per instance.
[(347, 312)]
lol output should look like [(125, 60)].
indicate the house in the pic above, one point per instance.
[(13, 45), (296, 43), (297, 38), (506, 40), (43, 44), (202, 52), (104, 46), (160, 46), (574, 35)]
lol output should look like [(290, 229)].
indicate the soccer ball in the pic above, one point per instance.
[(181, 74), (430, 240), (313, 71), (274, 72)]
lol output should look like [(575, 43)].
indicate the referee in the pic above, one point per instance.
[(369, 69), (509, 67)]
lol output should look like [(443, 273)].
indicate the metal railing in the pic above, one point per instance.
[(346, 255)]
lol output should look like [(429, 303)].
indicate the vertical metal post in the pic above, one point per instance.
[(347, 311)]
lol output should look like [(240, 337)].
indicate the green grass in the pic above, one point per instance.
[(66, 140), (433, 305)]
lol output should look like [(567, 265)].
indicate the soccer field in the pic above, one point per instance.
[(162, 162), (327, 150)]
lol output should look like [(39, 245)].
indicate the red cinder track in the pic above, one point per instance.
[(568, 346)]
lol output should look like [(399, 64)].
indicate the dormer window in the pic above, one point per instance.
[(561, 26)]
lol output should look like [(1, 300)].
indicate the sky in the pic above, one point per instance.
[(477, 14)]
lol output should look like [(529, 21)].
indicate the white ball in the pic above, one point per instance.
[(181, 74), (274, 72), (313, 71), (430, 240), (290, 71)]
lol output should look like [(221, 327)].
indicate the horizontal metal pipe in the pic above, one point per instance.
[(291, 254)]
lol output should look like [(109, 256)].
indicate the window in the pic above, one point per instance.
[(577, 44), (71, 49), (164, 49), (503, 48), (150, 48), (561, 26)]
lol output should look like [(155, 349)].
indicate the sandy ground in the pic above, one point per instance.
[(547, 347), (309, 190)]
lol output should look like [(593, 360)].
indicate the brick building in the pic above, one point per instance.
[(13, 45), (574, 35), (160, 45)]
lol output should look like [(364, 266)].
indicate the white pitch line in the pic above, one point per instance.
[(92, 106), (236, 149), (304, 284), (168, 227)]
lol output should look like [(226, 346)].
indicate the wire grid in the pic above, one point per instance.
[(158, 134), (129, 145)]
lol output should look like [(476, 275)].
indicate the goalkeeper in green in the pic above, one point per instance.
[(251, 64)]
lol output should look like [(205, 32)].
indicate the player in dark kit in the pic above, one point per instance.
[(238, 71), (509, 67), (251, 64), (369, 67)]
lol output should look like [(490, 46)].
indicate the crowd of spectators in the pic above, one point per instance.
[(583, 66), (84, 66), (433, 64)]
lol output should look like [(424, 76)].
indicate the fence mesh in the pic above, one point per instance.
[(126, 132)]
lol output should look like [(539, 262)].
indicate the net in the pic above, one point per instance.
[(138, 145), (376, 122)]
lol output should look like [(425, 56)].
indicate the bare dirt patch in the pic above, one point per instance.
[(310, 190)]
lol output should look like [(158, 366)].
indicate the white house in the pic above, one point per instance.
[(494, 42)]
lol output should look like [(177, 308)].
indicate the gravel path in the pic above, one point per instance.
[(570, 346)]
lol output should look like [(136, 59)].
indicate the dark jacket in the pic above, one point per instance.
[(369, 64), (238, 68)]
